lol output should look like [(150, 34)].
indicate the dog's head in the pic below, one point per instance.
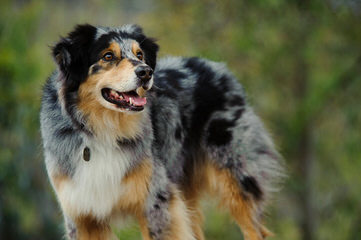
[(110, 66)]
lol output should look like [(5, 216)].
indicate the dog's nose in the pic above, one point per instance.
[(144, 73)]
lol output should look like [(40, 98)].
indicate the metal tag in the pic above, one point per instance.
[(86, 154)]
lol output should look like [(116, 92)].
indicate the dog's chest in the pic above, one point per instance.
[(96, 185)]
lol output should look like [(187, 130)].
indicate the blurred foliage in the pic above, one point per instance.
[(300, 62)]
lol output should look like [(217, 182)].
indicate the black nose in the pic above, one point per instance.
[(144, 73)]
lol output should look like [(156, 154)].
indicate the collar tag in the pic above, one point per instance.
[(86, 154)]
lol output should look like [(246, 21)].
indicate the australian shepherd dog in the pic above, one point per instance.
[(123, 135)]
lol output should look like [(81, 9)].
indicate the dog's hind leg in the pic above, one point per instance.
[(243, 208), (196, 218), (193, 190), (243, 167), (192, 194)]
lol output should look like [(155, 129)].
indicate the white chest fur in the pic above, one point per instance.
[(95, 187)]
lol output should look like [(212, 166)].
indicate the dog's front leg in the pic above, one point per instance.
[(79, 226), (165, 214), (88, 228)]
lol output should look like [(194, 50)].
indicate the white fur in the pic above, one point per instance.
[(95, 186)]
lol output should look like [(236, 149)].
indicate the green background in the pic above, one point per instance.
[(299, 61)]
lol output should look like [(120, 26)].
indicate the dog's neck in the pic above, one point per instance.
[(109, 124)]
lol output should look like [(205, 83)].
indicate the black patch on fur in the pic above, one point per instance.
[(174, 77), (237, 114), (50, 95), (100, 44), (236, 101), (150, 49), (207, 96), (73, 57), (219, 132), (167, 83), (65, 131), (127, 142), (184, 119), (53, 95), (96, 68), (157, 143), (134, 62), (178, 133), (162, 197), (269, 153), (151, 234), (250, 185)]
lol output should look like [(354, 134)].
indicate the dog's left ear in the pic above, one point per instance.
[(148, 45), (150, 49)]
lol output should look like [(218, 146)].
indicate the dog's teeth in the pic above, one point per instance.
[(130, 101), (121, 96), (113, 92)]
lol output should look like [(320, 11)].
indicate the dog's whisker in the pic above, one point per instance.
[(157, 87)]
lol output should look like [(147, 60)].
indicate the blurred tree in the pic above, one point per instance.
[(26, 209)]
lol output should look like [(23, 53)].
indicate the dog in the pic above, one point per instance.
[(124, 135)]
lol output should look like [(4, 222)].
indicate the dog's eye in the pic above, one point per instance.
[(108, 56), (140, 55)]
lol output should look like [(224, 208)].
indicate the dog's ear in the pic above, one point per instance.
[(61, 54), (148, 45), (150, 49), (70, 52)]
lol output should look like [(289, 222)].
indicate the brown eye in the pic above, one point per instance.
[(108, 56), (140, 55)]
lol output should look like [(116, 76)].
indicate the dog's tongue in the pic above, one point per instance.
[(135, 99)]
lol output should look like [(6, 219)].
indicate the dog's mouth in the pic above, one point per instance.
[(126, 100)]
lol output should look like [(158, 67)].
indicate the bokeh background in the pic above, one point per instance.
[(299, 60)]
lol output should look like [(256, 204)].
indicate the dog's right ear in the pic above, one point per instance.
[(61, 54), (70, 52)]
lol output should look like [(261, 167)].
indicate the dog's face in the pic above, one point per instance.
[(112, 66)]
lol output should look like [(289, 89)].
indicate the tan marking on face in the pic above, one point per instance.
[(103, 120), (114, 48), (114, 74), (135, 49)]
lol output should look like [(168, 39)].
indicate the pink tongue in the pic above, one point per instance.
[(136, 100)]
